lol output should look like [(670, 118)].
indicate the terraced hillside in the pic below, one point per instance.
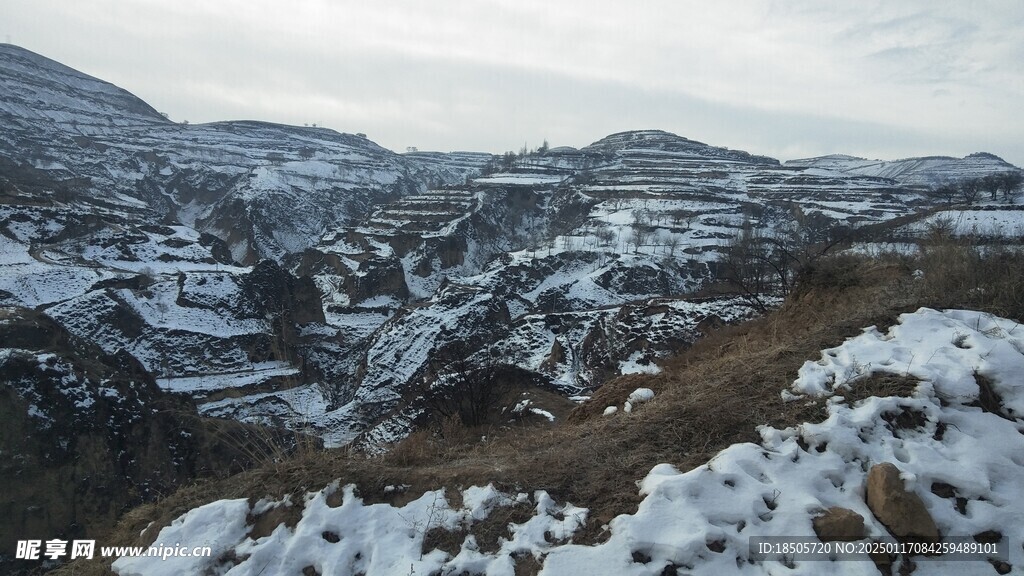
[(265, 189), (304, 277)]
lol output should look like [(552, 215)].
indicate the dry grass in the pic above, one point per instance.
[(960, 273), (708, 397), (879, 384), (488, 532)]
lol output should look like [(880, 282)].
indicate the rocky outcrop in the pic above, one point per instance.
[(87, 434), (901, 511), (269, 289), (839, 525)]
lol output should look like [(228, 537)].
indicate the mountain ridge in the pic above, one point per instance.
[(204, 175), (13, 59)]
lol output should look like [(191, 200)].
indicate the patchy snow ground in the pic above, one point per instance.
[(635, 364), (520, 179), (700, 521), (998, 223)]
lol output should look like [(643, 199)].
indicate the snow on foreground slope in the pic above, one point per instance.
[(700, 521)]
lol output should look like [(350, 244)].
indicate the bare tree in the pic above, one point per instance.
[(746, 265), (991, 184), (464, 387), (508, 160), (761, 262), (1010, 183), (673, 244), (642, 216), (641, 235), (946, 192), (605, 235), (970, 189)]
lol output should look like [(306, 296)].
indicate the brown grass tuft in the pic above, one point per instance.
[(880, 385)]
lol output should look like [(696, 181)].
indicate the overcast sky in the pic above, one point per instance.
[(786, 78)]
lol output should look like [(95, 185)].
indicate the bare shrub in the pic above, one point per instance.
[(762, 262), (466, 388)]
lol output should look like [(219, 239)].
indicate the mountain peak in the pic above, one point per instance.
[(641, 137), (986, 156), (660, 140)]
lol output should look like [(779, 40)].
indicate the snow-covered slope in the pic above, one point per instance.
[(170, 297), (924, 172), (955, 441), (36, 88), (266, 189)]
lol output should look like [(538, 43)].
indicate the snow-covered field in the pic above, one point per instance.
[(997, 223), (701, 521)]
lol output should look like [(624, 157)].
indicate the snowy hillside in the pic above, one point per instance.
[(951, 441), (165, 294), (924, 172), (576, 244), (303, 277), (266, 189)]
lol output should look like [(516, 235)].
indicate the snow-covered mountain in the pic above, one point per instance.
[(927, 171), (304, 277), (266, 189)]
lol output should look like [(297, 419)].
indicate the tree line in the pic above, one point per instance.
[(971, 190)]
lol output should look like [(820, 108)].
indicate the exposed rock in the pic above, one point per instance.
[(839, 525), (87, 434), (902, 512), (359, 276), (883, 562), (556, 357)]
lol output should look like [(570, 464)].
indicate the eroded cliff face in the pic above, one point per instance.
[(88, 434)]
